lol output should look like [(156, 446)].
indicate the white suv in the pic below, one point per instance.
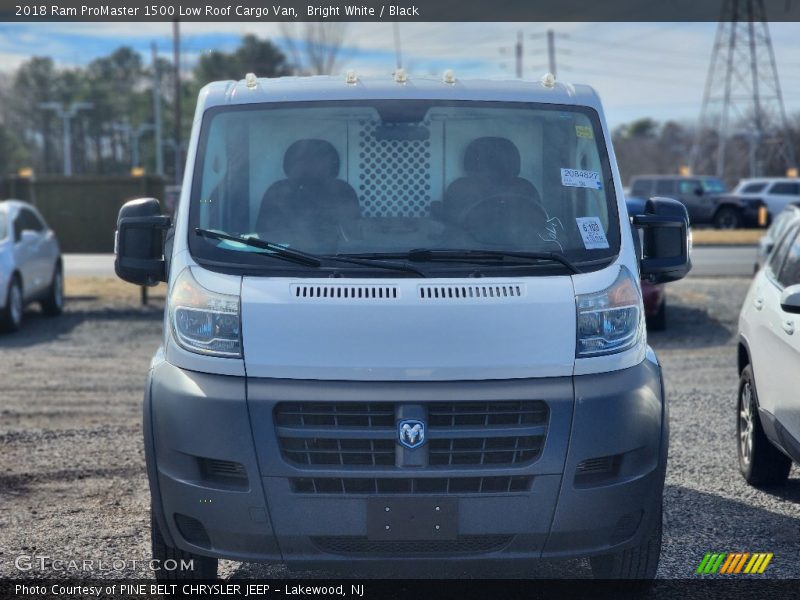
[(768, 425), (776, 192)]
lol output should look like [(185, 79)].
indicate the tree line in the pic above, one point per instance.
[(646, 146), (120, 89)]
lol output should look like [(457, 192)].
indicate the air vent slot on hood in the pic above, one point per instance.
[(468, 292), (346, 292)]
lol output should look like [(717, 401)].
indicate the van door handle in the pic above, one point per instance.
[(788, 327), (758, 303)]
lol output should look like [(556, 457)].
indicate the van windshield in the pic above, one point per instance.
[(389, 177)]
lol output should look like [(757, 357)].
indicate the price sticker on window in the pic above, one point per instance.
[(594, 238), (580, 178)]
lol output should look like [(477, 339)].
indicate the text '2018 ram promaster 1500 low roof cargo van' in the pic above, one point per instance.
[(404, 321)]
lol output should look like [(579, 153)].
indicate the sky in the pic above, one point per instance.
[(653, 70)]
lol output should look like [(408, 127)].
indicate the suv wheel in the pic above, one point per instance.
[(760, 462), (53, 304), (727, 217), (203, 566), (639, 562), (11, 315)]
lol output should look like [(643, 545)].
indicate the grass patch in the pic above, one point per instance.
[(726, 237)]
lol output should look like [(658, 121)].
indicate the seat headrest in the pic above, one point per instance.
[(493, 156), (311, 159)]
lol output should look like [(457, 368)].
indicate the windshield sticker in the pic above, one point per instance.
[(594, 238), (583, 131), (551, 230), (581, 179)]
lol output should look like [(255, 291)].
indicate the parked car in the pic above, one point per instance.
[(788, 216), (395, 328), (30, 264), (705, 198), (768, 406), (653, 294), (776, 192)]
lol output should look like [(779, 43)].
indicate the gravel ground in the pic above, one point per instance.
[(72, 481)]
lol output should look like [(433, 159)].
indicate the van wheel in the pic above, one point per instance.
[(53, 304), (727, 218), (760, 462), (639, 562), (203, 567), (658, 322), (11, 315)]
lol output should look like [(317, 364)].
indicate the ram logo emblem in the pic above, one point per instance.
[(411, 433)]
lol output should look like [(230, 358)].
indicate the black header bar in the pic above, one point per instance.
[(398, 10)]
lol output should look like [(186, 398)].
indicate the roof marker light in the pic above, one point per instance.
[(449, 77), (351, 78), (400, 76), (548, 80), (251, 81)]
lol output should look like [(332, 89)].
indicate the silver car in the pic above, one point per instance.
[(30, 264)]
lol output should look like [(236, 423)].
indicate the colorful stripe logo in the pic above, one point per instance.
[(732, 563)]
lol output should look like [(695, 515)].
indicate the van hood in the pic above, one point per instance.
[(396, 330)]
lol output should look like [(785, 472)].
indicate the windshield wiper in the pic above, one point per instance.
[(303, 258), (276, 250), (474, 256)]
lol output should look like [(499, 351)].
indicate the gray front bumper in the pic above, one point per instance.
[(620, 414)]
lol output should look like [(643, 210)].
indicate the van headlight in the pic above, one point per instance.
[(610, 321), (203, 321)]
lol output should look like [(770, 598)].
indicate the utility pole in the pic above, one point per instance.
[(66, 115), (176, 57), (518, 52), (743, 95), (398, 52), (550, 36), (551, 51), (157, 112)]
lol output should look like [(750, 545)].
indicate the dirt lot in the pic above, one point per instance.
[(72, 482)]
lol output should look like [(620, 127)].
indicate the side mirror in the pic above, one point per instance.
[(665, 244), (28, 235), (790, 299), (139, 242)]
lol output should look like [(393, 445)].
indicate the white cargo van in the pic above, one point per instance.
[(404, 322)]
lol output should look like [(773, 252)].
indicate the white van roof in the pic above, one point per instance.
[(293, 89)]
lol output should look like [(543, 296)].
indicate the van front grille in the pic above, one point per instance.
[(410, 485), (353, 435), (465, 544)]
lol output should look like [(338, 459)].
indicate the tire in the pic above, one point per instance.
[(658, 322), (11, 315), (53, 303), (204, 567), (760, 462), (637, 563), (727, 217)]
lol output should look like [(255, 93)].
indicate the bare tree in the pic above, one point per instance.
[(317, 50)]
